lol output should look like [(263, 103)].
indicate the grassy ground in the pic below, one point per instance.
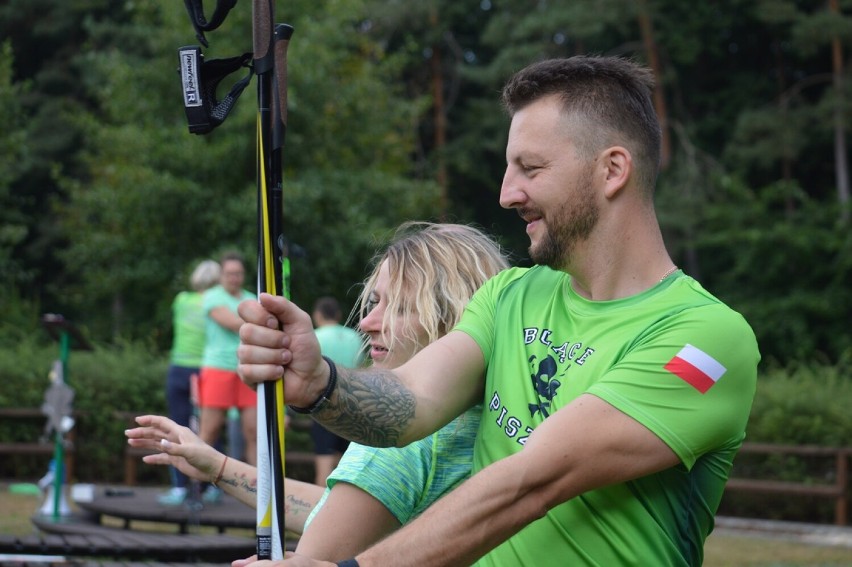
[(737, 551), (721, 549)]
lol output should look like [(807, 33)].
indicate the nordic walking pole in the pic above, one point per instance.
[(281, 41), (270, 428)]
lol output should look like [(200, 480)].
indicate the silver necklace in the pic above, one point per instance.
[(669, 272)]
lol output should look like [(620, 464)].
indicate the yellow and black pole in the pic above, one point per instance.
[(205, 112), (270, 61)]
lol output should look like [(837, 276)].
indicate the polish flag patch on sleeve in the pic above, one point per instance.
[(696, 367)]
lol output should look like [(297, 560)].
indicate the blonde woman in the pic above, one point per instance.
[(185, 359), (415, 294)]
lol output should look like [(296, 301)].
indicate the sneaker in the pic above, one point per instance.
[(212, 495), (173, 497)]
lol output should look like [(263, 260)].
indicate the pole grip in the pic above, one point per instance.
[(283, 33), (262, 35)]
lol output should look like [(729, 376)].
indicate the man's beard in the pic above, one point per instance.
[(573, 222)]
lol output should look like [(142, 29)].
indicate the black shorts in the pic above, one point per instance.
[(326, 442)]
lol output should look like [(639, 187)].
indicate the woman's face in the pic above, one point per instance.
[(406, 326)]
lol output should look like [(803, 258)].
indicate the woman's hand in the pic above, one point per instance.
[(176, 445)]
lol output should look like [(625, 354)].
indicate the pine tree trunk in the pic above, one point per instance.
[(439, 115), (652, 53), (841, 165)]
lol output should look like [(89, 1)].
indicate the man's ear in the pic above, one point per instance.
[(619, 167)]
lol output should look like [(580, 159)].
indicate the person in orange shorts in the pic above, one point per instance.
[(220, 387)]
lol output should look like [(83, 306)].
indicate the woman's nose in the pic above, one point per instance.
[(372, 321)]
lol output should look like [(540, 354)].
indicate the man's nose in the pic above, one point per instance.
[(511, 196)]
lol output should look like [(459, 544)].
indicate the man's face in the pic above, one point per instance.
[(233, 275), (549, 183)]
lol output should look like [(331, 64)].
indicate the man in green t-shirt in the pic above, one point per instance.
[(616, 389), (345, 347), (219, 385)]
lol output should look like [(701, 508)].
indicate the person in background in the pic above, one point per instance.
[(415, 294), (220, 387), (185, 360), (344, 346), (615, 389)]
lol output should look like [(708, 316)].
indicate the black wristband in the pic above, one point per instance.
[(348, 563), (324, 397)]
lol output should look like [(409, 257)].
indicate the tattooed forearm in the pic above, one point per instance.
[(371, 407), (239, 479), (296, 512), (243, 482)]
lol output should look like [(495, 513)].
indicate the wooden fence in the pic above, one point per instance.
[(838, 490)]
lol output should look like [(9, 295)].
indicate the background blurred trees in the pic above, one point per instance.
[(106, 200)]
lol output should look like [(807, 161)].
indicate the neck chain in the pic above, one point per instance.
[(669, 272)]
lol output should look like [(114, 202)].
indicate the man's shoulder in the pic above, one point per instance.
[(350, 335), (214, 294), (696, 296), (523, 278), (337, 331), (510, 275)]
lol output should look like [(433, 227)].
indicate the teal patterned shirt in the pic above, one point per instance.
[(407, 480)]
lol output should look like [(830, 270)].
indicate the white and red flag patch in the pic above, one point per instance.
[(696, 367)]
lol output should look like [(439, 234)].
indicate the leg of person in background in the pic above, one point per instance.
[(328, 449), (194, 494), (180, 410), (236, 448), (213, 398), (210, 428), (247, 403), (249, 423)]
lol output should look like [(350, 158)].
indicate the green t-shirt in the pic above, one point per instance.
[(341, 344), (673, 357), (220, 349), (188, 328)]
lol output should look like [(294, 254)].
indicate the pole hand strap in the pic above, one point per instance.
[(195, 8), (200, 79)]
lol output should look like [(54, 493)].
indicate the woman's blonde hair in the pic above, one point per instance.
[(434, 270), (205, 275)]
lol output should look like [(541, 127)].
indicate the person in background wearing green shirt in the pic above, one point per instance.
[(220, 387), (345, 347), (185, 360)]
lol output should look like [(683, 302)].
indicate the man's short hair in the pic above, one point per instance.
[(329, 308), (609, 97), (232, 255)]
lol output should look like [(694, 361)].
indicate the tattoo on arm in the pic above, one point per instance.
[(372, 407), (243, 482), (296, 507)]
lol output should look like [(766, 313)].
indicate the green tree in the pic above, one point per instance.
[(13, 224), (154, 198), (46, 38)]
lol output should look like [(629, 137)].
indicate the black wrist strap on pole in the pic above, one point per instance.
[(195, 8), (200, 80)]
